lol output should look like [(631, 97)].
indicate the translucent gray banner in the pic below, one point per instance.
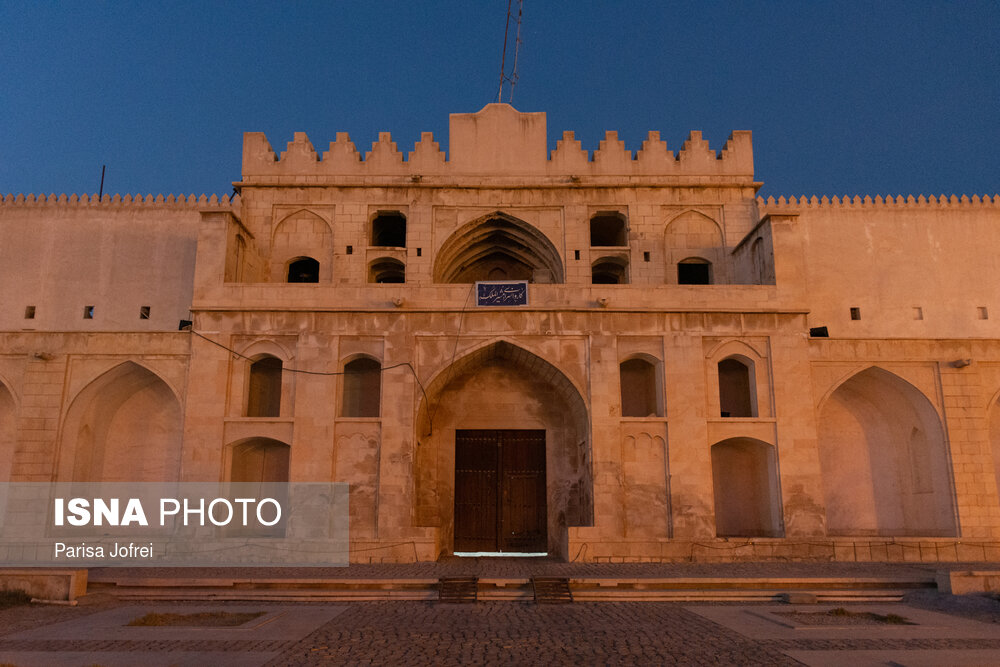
[(119, 524)]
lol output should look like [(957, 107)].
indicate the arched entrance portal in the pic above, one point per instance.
[(503, 455), (884, 460)]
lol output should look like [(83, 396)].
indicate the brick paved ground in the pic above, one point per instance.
[(525, 633), (513, 633)]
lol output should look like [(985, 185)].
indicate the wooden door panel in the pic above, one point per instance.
[(500, 491)]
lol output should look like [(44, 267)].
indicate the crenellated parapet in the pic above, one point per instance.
[(499, 142), (137, 201), (783, 204)]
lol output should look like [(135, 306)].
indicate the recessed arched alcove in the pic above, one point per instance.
[(496, 396), (884, 460), (125, 426), (8, 432), (994, 426), (498, 247), (745, 481), (259, 460)]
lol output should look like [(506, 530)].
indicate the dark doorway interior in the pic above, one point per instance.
[(500, 491)]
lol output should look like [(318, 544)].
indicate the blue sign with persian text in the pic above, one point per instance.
[(505, 293)]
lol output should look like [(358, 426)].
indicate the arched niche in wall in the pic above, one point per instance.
[(264, 387), (884, 460), (498, 247), (388, 229), (386, 270), (994, 426), (745, 482), (302, 234), (303, 270), (125, 426), (694, 271), (641, 387), (609, 271), (737, 387), (362, 388), (260, 460), (8, 432), (608, 228), (693, 237)]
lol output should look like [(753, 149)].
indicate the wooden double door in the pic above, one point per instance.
[(500, 491)]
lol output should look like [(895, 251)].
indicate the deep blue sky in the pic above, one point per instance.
[(842, 97)]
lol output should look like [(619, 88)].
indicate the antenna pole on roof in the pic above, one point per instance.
[(100, 194), (511, 78)]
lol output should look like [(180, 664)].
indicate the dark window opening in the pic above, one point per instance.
[(735, 397), (29, 312), (350, 250), (387, 271), (576, 254), (645, 256), (419, 251), (606, 272), (855, 313), (264, 391), (303, 270), (144, 312), (88, 312), (362, 388), (389, 230), (638, 389), (694, 272), (608, 229)]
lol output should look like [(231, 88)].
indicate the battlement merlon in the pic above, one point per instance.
[(497, 141)]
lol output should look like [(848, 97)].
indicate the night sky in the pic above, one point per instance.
[(842, 97)]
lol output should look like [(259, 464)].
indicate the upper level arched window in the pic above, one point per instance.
[(608, 271), (362, 388), (264, 388), (608, 229), (389, 230), (640, 391), (694, 271), (387, 270), (737, 394), (303, 270)]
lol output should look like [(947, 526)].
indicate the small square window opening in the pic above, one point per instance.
[(983, 313), (88, 312), (855, 313), (918, 313), (645, 256), (144, 313), (29, 312)]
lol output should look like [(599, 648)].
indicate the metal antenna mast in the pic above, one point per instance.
[(510, 78)]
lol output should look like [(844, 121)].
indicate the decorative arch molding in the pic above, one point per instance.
[(861, 368), (498, 347), (735, 347), (79, 384), (309, 215), (884, 459), (126, 425), (492, 236), (8, 432), (257, 459), (260, 347), (7, 386), (698, 217)]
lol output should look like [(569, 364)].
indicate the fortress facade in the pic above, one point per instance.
[(606, 357)]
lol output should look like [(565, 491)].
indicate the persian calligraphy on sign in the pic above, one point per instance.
[(510, 293)]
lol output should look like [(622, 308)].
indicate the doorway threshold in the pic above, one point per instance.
[(501, 554)]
